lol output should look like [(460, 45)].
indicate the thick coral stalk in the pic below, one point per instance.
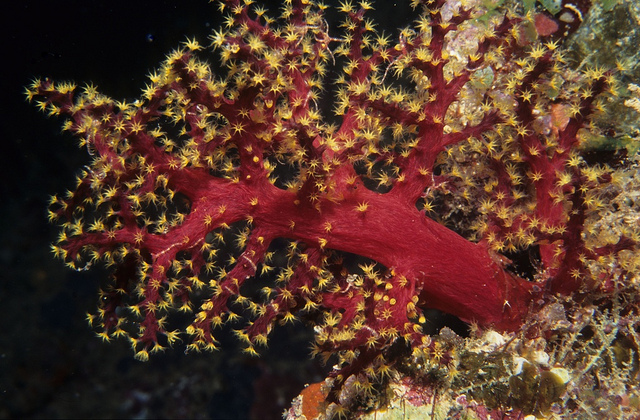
[(451, 273)]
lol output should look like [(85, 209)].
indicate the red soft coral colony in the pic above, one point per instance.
[(231, 196)]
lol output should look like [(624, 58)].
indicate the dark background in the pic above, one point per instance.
[(51, 363)]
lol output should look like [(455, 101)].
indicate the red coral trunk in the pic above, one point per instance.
[(450, 273)]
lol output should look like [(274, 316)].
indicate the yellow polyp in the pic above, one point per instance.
[(157, 348), (362, 207), (142, 355), (250, 350)]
